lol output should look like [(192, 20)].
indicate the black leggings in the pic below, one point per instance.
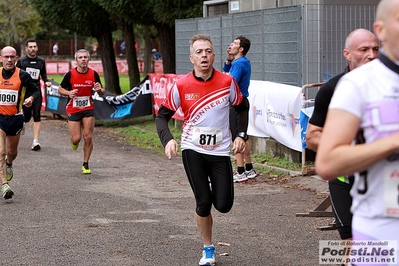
[(341, 202), (198, 168)]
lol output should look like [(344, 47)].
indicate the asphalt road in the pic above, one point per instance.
[(136, 208)]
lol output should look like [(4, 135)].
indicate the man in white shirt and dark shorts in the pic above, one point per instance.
[(365, 108)]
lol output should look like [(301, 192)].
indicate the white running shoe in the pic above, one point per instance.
[(240, 177), (6, 191), (35, 145), (208, 256), (251, 173)]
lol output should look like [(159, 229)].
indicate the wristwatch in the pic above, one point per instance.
[(243, 135)]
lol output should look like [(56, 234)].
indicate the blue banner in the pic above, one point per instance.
[(134, 103)]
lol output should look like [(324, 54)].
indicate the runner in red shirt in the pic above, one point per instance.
[(79, 84), (205, 96)]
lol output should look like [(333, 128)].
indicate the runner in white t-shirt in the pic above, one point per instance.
[(365, 108)]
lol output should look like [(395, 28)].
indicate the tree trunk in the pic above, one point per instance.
[(167, 39), (147, 51), (105, 47), (131, 55)]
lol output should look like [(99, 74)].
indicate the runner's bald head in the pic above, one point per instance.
[(8, 49), (386, 27), (356, 35), (383, 8)]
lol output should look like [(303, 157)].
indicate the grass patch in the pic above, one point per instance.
[(270, 172), (268, 159), (142, 132), (56, 77), (123, 82)]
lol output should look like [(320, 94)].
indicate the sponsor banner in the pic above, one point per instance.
[(274, 108), (134, 103), (62, 67), (306, 113), (43, 92), (362, 252), (57, 67), (161, 84), (275, 112)]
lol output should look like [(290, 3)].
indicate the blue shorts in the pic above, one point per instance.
[(12, 125)]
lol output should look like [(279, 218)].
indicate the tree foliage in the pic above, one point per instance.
[(159, 13), (86, 18), (18, 21), (122, 12), (166, 12), (98, 18)]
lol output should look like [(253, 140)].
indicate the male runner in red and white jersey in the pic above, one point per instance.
[(79, 85), (205, 96), (365, 107), (14, 84)]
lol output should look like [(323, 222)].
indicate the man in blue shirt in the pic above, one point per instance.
[(156, 55), (238, 66)]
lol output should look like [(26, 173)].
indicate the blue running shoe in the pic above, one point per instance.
[(208, 256)]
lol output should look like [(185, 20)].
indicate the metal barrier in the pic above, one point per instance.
[(321, 209)]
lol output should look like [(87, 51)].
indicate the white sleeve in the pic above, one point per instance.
[(348, 96)]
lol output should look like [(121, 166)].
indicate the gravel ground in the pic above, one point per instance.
[(136, 208)]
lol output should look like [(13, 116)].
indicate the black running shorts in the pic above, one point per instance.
[(12, 125), (341, 202), (78, 116)]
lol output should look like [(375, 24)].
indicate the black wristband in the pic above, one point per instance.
[(242, 135), (228, 60)]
